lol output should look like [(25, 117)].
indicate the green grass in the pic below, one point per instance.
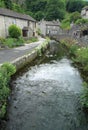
[(6, 71), (33, 39), (13, 42)]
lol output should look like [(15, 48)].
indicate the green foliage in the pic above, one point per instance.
[(73, 49), (82, 21), (65, 24), (55, 10), (3, 110), (17, 8), (75, 16), (13, 42), (6, 70), (34, 6), (8, 4), (84, 97), (2, 4), (2, 40), (14, 31), (40, 49), (75, 5), (9, 69), (39, 15), (33, 39), (38, 31), (47, 9), (82, 57)]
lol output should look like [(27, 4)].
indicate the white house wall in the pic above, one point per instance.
[(21, 23), (84, 14), (5, 22), (8, 21), (42, 27), (2, 26)]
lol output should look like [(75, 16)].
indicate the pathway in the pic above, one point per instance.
[(9, 55)]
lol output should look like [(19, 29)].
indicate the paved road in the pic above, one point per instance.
[(8, 55)]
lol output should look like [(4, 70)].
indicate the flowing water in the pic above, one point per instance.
[(47, 97)]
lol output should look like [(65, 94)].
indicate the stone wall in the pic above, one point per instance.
[(28, 58), (84, 13), (5, 22), (2, 27)]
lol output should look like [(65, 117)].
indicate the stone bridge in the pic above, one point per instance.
[(82, 41)]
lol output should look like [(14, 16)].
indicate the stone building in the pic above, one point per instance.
[(49, 28), (84, 12), (9, 17)]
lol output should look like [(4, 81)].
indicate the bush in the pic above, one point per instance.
[(2, 40), (6, 70), (82, 56), (82, 21), (14, 31), (72, 50), (13, 42), (38, 31), (84, 97), (75, 16), (33, 39), (65, 24)]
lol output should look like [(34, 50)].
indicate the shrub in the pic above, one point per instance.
[(14, 31), (75, 16), (65, 24), (82, 56), (84, 97), (9, 42), (33, 39), (72, 50), (6, 70), (38, 31), (13, 42), (2, 40), (82, 21)]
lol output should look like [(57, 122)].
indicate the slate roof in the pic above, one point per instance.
[(52, 23), (10, 13)]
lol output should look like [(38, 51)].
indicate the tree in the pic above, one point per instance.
[(2, 4), (75, 5), (37, 8), (39, 15), (75, 16), (8, 4), (55, 10), (37, 5), (82, 21), (17, 8)]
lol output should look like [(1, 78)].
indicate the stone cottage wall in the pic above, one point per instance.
[(5, 22), (2, 26)]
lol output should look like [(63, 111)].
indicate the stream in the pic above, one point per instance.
[(46, 96)]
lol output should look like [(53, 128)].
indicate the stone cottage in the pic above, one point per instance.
[(9, 17), (49, 28), (84, 12)]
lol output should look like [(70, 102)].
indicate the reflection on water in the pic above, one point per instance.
[(47, 97)]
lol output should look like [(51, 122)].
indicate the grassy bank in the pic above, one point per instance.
[(15, 42), (6, 71), (79, 55)]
